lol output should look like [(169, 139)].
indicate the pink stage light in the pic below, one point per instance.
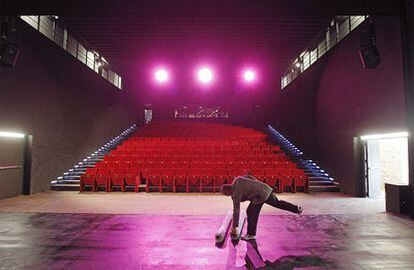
[(161, 75), (249, 75), (205, 75)]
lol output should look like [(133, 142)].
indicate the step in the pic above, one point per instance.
[(319, 178), (68, 180), (65, 187), (73, 173), (332, 188), (318, 174), (320, 183), (71, 177)]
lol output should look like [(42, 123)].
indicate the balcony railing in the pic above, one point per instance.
[(49, 27), (339, 28)]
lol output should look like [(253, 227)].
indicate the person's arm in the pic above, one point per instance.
[(236, 212)]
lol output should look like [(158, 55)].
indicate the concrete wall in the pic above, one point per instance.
[(336, 100), (293, 111), (352, 101), (69, 109)]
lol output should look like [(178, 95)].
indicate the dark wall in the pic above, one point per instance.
[(336, 100), (69, 109), (352, 101), (293, 111)]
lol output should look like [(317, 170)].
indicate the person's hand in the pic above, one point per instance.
[(233, 232)]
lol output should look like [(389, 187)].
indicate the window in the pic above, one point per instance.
[(340, 27), (81, 53), (200, 112), (33, 21), (49, 27), (72, 45), (59, 36), (90, 59)]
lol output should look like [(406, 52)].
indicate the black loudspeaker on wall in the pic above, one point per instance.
[(368, 50), (9, 50)]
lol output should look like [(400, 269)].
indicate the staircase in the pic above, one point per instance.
[(319, 180), (69, 181)]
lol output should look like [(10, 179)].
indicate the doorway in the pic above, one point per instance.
[(148, 113), (12, 153), (386, 161)]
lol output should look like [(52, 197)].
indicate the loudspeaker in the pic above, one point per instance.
[(8, 53), (368, 51), (370, 57), (9, 29)]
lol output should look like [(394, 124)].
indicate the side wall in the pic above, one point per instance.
[(336, 100), (294, 109), (68, 108), (352, 101)]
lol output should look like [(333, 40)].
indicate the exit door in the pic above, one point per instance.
[(386, 161)]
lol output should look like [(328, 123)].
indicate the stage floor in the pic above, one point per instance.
[(173, 238)]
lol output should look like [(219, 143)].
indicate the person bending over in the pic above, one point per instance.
[(248, 188)]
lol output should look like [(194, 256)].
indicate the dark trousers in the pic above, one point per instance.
[(253, 211)]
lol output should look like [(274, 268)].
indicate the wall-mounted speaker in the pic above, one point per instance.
[(368, 51), (9, 29), (9, 37), (9, 52)]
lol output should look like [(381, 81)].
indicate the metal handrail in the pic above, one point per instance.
[(10, 167), (340, 27)]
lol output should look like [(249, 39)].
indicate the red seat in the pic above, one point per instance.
[(259, 174), (91, 171), (154, 179), (132, 180), (286, 177), (220, 177), (181, 179), (102, 180), (116, 181), (300, 180), (272, 177), (167, 179), (87, 180)]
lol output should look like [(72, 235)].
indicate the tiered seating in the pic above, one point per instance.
[(191, 156)]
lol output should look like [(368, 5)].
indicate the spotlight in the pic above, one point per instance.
[(297, 64), (205, 75), (249, 75), (161, 75)]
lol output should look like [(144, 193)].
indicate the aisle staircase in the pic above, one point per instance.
[(319, 179), (70, 179)]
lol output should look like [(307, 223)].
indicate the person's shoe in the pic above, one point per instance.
[(300, 210), (248, 237)]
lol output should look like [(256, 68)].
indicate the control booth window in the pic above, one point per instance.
[(201, 112)]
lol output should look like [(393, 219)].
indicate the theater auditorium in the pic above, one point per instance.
[(207, 134)]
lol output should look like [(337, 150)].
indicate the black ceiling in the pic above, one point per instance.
[(125, 31)]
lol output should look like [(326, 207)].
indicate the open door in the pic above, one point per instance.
[(386, 161)]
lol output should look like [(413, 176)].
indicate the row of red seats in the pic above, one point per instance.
[(186, 148), (194, 153), (187, 179), (223, 158), (197, 140), (195, 164), (144, 172), (202, 134)]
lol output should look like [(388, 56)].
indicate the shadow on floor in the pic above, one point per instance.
[(255, 261)]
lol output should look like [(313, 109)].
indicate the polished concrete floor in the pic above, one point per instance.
[(369, 238)]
